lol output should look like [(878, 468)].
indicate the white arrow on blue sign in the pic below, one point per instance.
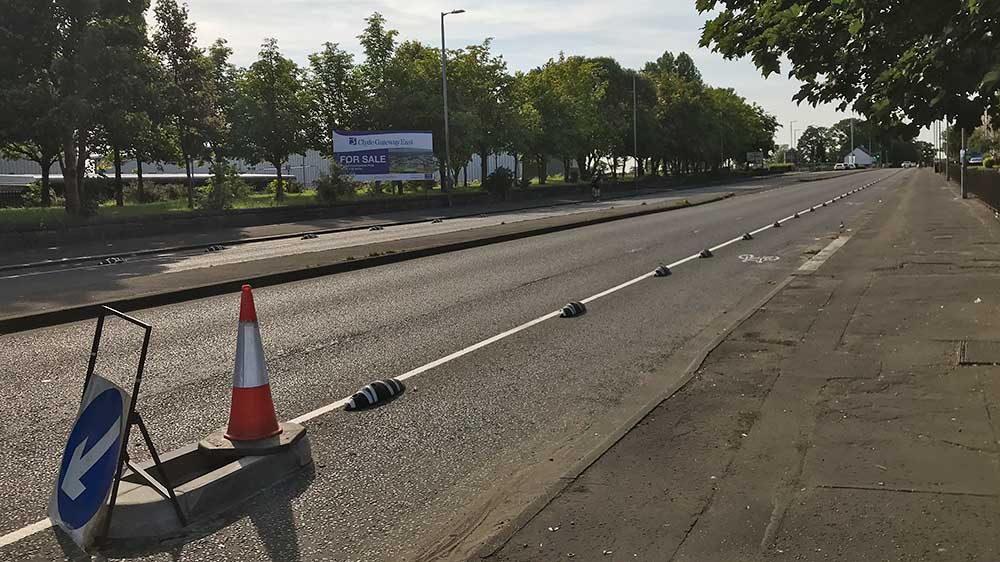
[(90, 461)]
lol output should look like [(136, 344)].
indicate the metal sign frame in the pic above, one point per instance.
[(164, 488)]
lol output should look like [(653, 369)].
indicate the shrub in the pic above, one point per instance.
[(499, 182), (290, 186), (524, 182), (335, 185), (780, 167), (989, 162), (224, 188), (32, 196), (95, 191)]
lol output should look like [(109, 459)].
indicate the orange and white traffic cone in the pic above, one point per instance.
[(251, 415)]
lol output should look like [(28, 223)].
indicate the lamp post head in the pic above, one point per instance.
[(443, 14)]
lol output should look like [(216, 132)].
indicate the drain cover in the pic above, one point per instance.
[(978, 352)]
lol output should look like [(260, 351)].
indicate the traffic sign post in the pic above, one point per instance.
[(96, 451)]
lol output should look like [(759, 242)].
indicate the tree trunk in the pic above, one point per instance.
[(484, 168), (465, 176), (378, 185), (279, 192), (565, 164), (443, 172), (138, 181), (516, 183), (81, 170), (46, 190), (71, 187), (188, 169), (543, 172), (119, 192)]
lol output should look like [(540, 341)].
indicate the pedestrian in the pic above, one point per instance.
[(595, 183)]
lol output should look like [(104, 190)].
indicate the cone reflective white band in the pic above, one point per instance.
[(250, 370)]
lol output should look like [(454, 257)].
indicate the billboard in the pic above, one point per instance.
[(385, 155)]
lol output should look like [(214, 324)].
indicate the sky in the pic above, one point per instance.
[(525, 32)]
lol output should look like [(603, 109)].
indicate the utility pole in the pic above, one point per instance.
[(962, 163), (852, 140), (791, 140), (446, 181), (945, 143)]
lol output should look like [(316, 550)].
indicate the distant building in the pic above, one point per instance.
[(859, 157)]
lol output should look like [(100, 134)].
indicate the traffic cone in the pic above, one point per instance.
[(251, 415)]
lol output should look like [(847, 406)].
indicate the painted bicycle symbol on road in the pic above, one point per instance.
[(750, 258)]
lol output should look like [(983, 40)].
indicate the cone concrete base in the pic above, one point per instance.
[(206, 483), (217, 444)]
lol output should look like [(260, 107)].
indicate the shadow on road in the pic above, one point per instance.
[(270, 513)]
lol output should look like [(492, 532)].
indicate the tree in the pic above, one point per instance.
[(123, 101), (333, 95), (189, 92), (30, 125), (984, 140), (813, 144), (568, 92), (220, 143), (54, 55), (379, 44), (921, 60), (478, 85), (155, 138), (926, 153), (412, 84), (270, 116)]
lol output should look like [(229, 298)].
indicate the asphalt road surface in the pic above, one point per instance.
[(52, 286), (473, 440)]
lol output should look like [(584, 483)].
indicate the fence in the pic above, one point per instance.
[(305, 168), (982, 183)]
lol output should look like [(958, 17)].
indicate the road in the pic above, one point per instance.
[(473, 440), (55, 285)]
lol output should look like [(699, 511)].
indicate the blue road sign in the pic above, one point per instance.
[(90, 460)]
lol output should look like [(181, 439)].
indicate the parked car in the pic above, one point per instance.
[(839, 166), (976, 160)]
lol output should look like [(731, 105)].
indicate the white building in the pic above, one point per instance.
[(859, 157)]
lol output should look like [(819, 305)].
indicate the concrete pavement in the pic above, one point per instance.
[(474, 440), (849, 418)]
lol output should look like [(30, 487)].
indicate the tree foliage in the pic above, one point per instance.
[(913, 61), (79, 78), (270, 115)]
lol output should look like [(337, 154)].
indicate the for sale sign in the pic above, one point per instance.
[(386, 155)]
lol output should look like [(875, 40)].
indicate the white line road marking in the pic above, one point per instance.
[(433, 364), (24, 532), (819, 259)]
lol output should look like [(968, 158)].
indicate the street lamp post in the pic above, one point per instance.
[(635, 133), (446, 181), (791, 139)]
